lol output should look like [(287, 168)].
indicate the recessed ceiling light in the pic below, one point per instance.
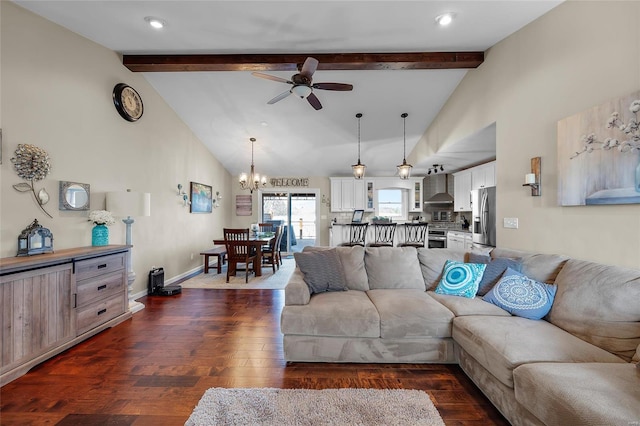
[(156, 23), (445, 19)]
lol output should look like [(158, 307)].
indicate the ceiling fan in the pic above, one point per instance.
[(302, 84)]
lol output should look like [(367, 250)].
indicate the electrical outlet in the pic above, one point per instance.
[(510, 222)]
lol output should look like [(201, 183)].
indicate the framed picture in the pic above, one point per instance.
[(201, 196), (243, 205), (598, 159)]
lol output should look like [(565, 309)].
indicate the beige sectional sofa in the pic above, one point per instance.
[(576, 366)]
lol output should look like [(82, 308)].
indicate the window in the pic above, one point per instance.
[(392, 203)]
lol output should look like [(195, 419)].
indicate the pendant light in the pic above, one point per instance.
[(253, 181), (359, 168), (404, 169)]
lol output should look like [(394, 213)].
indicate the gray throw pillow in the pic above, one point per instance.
[(322, 270), (494, 270)]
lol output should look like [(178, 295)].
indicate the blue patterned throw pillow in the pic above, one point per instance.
[(521, 296), (460, 279)]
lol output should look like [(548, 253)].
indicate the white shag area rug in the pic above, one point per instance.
[(268, 280), (339, 407)]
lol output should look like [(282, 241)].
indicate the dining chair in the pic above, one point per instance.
[(239, 251), (415, 235), (266, 227), (383, 234), (270, 251), (358, 234)]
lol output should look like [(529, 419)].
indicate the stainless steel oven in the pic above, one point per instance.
[(437, 237)]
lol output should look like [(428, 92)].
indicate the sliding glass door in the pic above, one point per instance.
[(297, 211)]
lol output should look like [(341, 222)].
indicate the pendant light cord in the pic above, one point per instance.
[(359, 115), (404, 143)]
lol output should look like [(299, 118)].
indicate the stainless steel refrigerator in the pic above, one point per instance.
[(483, 209)]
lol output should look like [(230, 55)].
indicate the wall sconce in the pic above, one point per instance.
[(533, 179), (184, 196), (216, 200)]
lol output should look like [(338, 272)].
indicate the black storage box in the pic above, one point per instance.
[(156, 284)]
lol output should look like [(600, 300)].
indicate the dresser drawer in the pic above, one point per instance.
[(99, 288), (100, 265), (99, 312)]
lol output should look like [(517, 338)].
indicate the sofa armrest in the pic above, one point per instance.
[(297, 291)]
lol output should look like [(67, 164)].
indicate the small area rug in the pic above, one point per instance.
[(269, 406), (268, 280)]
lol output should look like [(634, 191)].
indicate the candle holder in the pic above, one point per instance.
[(533, 179)]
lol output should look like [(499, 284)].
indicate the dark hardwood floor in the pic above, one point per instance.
[(153, 369)]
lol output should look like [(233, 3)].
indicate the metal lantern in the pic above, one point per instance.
[(35, 239)]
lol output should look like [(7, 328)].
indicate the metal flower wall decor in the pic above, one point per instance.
[(32, 163)]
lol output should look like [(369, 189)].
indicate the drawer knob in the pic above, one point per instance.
[(102, 311)]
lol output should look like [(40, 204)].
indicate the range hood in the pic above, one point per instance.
[(440, 183)]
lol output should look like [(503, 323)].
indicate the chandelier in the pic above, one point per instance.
[(253, 180), (404, 169), (359, 168)]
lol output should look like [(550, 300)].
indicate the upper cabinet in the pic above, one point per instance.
[(462, 191), (348, 194), (483, 176)]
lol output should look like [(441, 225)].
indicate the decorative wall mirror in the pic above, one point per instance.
[(74, 196)]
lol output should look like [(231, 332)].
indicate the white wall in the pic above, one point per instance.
[(56, 93), (577, 56)]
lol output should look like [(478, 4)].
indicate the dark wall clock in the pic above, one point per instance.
[(128, 102)]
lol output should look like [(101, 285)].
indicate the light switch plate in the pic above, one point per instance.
[(510, 222)]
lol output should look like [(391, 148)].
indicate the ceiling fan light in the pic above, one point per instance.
[(301, 91)]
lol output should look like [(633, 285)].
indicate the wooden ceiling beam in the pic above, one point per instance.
[(292, 62)]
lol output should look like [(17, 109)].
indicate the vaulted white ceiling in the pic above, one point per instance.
[(225, 108)]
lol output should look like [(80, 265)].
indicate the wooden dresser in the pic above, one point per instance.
[(53, 301)]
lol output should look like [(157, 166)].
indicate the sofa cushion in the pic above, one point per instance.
[(460, 279), (345, 313), (410, 313), (521, 296), (393, 267), (540, 267), (580, 393), (352, 259), (322, 270), (501, 344), (599, 304), (494, 270), (461, 306), (432, 262)]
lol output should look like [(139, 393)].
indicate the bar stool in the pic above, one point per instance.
[(415, 235), (358, 233), (383, 233)]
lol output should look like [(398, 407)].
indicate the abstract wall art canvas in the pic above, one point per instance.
[(599, 154), (201, 198)]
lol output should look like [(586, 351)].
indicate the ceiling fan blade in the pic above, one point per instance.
[(271, 77), (280, 97), (333, 86), (309, 67), (314, 101)]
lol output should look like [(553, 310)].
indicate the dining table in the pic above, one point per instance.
[(256, 240)]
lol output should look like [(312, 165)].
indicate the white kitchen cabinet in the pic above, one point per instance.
[(462, 191), (415, 196), (483, 176), (458, 240), (347, 194)]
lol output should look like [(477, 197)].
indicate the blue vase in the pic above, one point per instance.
[(100, 235)]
